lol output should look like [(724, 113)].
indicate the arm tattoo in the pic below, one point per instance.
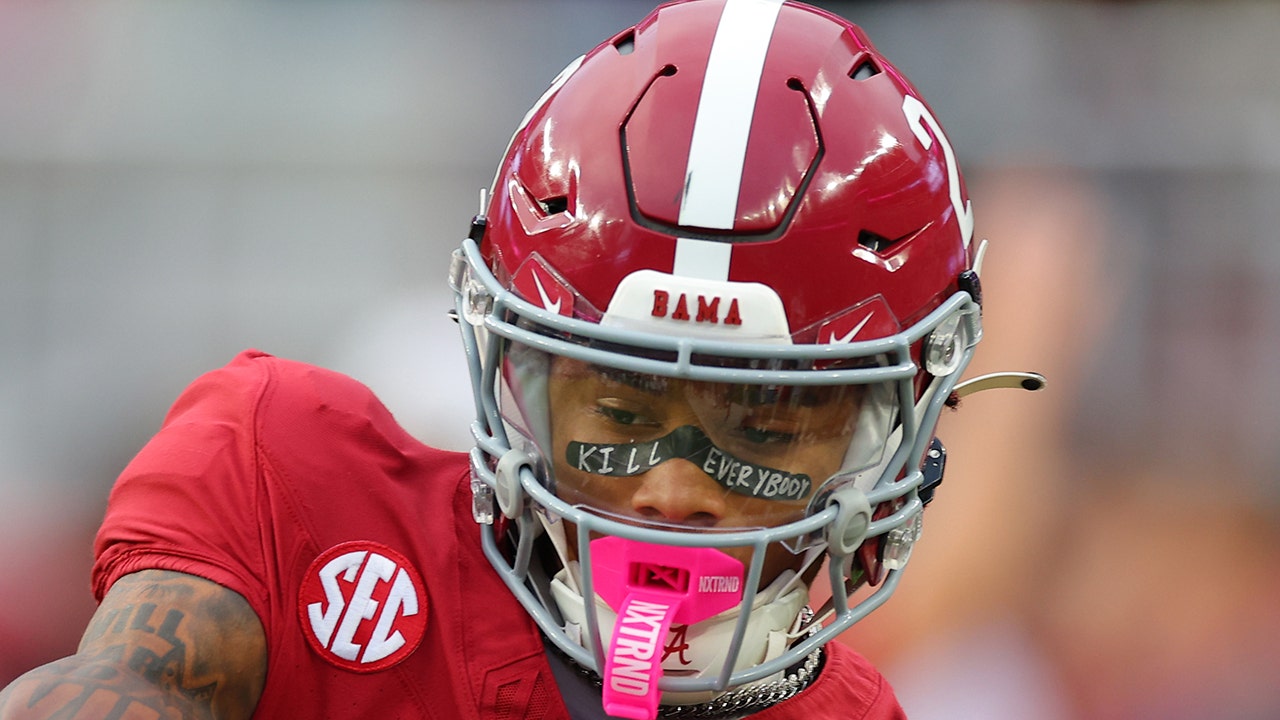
[(162, 645)]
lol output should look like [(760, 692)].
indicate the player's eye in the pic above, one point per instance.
[(763, 436), (621, 415)]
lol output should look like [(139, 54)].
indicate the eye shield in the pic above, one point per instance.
[(769, 447)]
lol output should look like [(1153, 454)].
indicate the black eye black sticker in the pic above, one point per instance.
[(688, 442)]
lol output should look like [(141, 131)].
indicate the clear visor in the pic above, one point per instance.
[(684, 454)]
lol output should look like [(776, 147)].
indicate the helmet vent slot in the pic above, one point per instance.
[(554, 205), (864, 70), (875, 242), (626, 44)]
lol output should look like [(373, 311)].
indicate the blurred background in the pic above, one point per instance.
[(179, 181)]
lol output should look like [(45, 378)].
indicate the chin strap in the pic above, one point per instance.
[(554, 531)]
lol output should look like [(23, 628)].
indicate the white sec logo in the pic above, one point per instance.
[(362, 606)]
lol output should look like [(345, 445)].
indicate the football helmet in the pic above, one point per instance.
[(720, 290)]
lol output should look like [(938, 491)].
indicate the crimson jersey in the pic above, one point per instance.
[(354, 544)]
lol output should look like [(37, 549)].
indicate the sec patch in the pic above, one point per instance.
[(363, 606)]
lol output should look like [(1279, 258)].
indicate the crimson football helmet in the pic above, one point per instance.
[(728, 250)]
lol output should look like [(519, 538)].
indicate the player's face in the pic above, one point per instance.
[(695, 455)]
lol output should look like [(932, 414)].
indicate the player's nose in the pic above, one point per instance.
[(679, 491)]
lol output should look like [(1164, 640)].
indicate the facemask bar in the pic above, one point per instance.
[(507, 475), (479, 288)]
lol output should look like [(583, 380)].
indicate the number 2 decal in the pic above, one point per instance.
[(917, 117)]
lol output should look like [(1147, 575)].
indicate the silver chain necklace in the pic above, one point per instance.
[(750, 699)]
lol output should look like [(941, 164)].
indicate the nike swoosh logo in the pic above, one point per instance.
[(555, 306), (847, 336)]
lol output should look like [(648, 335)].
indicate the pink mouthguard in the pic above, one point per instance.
[(650, 587)]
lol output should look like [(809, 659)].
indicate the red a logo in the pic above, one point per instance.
[(677, 644)]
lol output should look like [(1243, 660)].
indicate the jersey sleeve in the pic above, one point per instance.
[(188, 501)]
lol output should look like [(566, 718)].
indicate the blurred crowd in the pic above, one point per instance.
[(1063, 575)]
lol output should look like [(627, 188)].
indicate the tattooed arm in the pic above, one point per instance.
[(161, 645)]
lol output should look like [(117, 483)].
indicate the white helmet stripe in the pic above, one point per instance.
[(702, 259), (721, 127)]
